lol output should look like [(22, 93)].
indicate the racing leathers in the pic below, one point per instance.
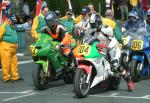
[(108, 45)]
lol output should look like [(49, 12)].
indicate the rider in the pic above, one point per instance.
[(39, 22), (107, 39), (133, 23), (58, 31)]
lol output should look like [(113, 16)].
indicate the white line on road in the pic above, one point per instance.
[(23, 92), (22, 96), (25, 62), (114, 94), (109, 96)]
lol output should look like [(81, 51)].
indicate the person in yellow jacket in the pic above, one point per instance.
[(109, 21), (8, 47), (39, 22)]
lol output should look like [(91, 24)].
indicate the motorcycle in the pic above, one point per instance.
[(50, 63), (140, 55), (92, 68), (127, 38)]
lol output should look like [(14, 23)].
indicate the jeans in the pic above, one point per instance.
[(124, 12)]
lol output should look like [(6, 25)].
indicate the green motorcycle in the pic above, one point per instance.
[(50, 63)]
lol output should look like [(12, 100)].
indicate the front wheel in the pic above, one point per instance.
[(81, 88), (39, 79), (135, 71)]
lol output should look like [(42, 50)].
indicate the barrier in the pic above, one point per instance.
[(21, 40)]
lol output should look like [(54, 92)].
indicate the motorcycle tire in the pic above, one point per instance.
[(39, 82), (81, 88), (124, 62), (135, 74), (114, 83), (68, 77)]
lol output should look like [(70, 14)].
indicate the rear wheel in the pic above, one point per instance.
[(39, 79), (114, 82), (81, 88), (135, 71)]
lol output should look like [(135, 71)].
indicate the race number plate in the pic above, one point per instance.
[(84, 50), (33, 50), (137, 45)]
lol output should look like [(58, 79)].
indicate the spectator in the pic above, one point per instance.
[(92, 9), (39, 22), (68, 21), (124, 9), (8, 44), (24, 26), (26, 10), (83, 25), (117, 14), (145, 7), (108, 4), (109, 21)]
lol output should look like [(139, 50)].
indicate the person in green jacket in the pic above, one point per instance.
[(8, 48), (68, 21), (39, 22)]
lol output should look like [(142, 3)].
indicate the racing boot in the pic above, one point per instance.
[(127, 78), (130, 83)]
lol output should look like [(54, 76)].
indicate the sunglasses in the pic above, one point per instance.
[(69, 14)]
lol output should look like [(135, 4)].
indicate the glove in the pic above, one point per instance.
[(59, 46), (101, 46)]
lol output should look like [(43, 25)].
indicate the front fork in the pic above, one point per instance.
[(45, 66), (89, 75), (127, 53)]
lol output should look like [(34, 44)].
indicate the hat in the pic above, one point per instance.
[(69, 11), (85, 10), (44, 5)]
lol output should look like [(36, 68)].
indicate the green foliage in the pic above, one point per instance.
[(77, 5)]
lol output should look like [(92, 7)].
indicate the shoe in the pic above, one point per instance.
[(130, 85), (6, 81), (18, 80)]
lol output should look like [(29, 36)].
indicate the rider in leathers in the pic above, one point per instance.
[(108, 41)]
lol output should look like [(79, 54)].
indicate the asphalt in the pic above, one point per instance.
[(59, 92)]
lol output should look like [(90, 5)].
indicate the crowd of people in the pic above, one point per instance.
[(63, 29)]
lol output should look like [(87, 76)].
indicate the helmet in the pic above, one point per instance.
[(133, 16), (95, 21), (12, 17), (58, 13), (85, 10), (44, 5), (51, 19)]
